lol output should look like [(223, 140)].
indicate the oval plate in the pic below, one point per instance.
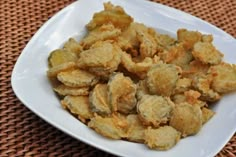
[(31, 86)]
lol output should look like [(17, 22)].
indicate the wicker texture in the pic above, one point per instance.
[(22, 133)]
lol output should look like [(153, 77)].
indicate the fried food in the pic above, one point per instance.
[(111, 14), (207, 114), (135, 128), (64, 90), (112, 127), (186, 118), (127, 81), (78, 105), (98, 98), (154, 110), (207, 53), (73, 46), (223, 77), (77, 78), (162, 138), (60, 56), (101, 59), (162, 78), (105, 32), (122, 92)]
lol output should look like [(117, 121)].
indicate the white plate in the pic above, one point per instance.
[(29, 80)]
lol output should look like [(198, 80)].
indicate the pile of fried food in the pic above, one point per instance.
[(127, 81)]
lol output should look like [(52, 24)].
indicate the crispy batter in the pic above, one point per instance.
[(202, 83), (206, 53), (77, 78), (112, 127), (102, 58), (136, 129), (182, 85), (142, 89), (192, 97), (189, 38), (73, 46), (162, 79), (105, 32), (60, 56), (154, 110), (223, 77), (122, 92), (111, 14), (52, 72), (78, 105), (207, 114), (75, 91), (186, 118), (98, 98), (162, 138)]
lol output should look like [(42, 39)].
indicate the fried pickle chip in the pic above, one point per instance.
[(193, 98), (73, 46), (111, 14), (105, 32), (135, 128), (186, 118), (182, 85), (162, 78), (98, 98), (77, 78), (121, 94), (102, 58), (177, 55), (64, 90), (112, 127), (207, 53), (154, 110), (52, 72), (223, 77), (60, 56), (162, 138), (207, 114), (202, 83), (189, 38), (139, 68), (142, 89), (78, 105)]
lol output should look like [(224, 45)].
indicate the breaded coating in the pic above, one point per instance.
[(60, 56), (77, 78), (78, 105), (182, 85), (164, 41), (188, 38), (162, 78), (121, 94), (64, 90), (207, 114), (102, 58), (135, 128), (138, 68), (73, 46), (177, 55), (112, 127), (105, 32), (111, 14), (142, 89), (154, 110), (207, 53), (192, 97), (52, 72), (202, 83), (98, 99), (223, 77), (186, 118), (162, 138)]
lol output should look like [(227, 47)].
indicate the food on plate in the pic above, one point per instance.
[(125, 80)]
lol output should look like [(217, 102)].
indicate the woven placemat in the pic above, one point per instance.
[(22, 133)]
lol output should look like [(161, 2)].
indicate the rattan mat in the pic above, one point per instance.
[(22, 133)]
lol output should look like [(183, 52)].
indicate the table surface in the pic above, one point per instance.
[(22, 133)]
